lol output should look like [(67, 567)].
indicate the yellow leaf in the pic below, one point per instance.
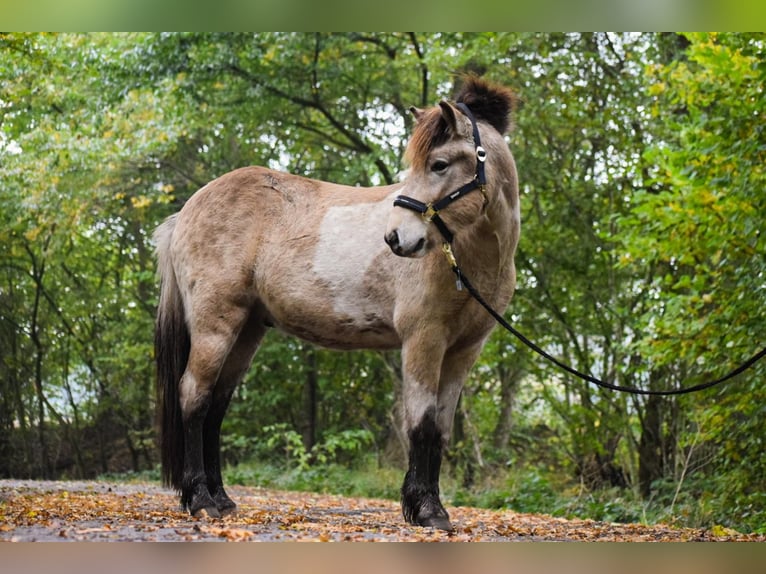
[(140, 202), (32, 234), (722, 532)]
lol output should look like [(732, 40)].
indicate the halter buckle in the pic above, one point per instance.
[(429, 213), (481, 154)]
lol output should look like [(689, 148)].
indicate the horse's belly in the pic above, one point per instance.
[(342, 332), (356, 313)]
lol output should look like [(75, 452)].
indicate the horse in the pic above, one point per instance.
[(345, 268)]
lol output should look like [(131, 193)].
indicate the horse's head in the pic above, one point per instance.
[(445, 160)]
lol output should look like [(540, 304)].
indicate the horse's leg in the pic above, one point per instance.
[(454, 371), (421, 362), (430, 415), (213, 335), (232, 373)]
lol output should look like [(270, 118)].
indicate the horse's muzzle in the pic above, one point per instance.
[(416, 250)]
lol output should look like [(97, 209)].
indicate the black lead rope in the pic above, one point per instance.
[(635, 391), (430, 212)]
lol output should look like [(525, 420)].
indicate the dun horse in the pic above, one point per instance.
[(345, 268)]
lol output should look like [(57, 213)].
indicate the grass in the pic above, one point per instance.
[(363, 481)]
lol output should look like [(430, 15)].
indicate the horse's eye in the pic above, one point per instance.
[(439, 166)]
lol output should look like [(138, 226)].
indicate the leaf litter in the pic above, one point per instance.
[(102, 511)]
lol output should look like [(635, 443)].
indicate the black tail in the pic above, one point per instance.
[(171, 353)]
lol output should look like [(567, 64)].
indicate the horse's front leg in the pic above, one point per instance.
[(421, 367), (433, 381)]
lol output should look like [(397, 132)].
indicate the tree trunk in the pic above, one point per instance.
[(397, 444), (310, 399), (650, 466), (45, 463), (509, 386)]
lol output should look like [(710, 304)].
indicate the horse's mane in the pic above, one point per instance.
[(487, 101)]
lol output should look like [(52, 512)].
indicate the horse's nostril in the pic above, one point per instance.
[(392, 238), (420, 245)]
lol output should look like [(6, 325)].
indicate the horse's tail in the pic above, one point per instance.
[(171, 352)]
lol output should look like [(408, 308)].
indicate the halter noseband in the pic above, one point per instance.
[(430, 211)]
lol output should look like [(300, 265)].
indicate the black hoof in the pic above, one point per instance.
[(433, 516), (199, 501), (223, 503), (428, 512), (438, 522)]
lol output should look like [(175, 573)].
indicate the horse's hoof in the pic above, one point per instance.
[(227, 508), (438, 522), (224, 504), (202, 501)]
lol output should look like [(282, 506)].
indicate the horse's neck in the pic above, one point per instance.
[(485, 251)]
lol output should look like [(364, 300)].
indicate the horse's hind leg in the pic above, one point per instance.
[(234, 369), (212, 337)]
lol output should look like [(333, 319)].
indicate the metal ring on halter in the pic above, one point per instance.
[(429, 213)]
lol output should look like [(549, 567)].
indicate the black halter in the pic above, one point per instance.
[(430, 211)]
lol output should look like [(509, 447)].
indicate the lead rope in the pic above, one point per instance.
[(462, 280), (430, 213)]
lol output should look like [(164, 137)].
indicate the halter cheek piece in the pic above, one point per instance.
[(430, 211)]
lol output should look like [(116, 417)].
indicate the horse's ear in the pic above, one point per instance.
[(417, 113), (456, 122)]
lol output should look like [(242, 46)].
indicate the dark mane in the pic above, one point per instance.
[(487, 101)]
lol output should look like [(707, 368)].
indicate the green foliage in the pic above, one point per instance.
[(699, 227), (340, 464), (334, 448)]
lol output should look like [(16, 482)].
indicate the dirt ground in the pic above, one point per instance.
[(110, 511)]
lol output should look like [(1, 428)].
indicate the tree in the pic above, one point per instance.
[(73, 251), (699, 226)]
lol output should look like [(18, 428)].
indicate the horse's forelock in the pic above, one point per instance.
[(488, 101), (431, 131)]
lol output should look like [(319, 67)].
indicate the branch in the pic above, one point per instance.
[(357, 143), (182, 173), (423, 70), (325, 136), (376, 41)]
